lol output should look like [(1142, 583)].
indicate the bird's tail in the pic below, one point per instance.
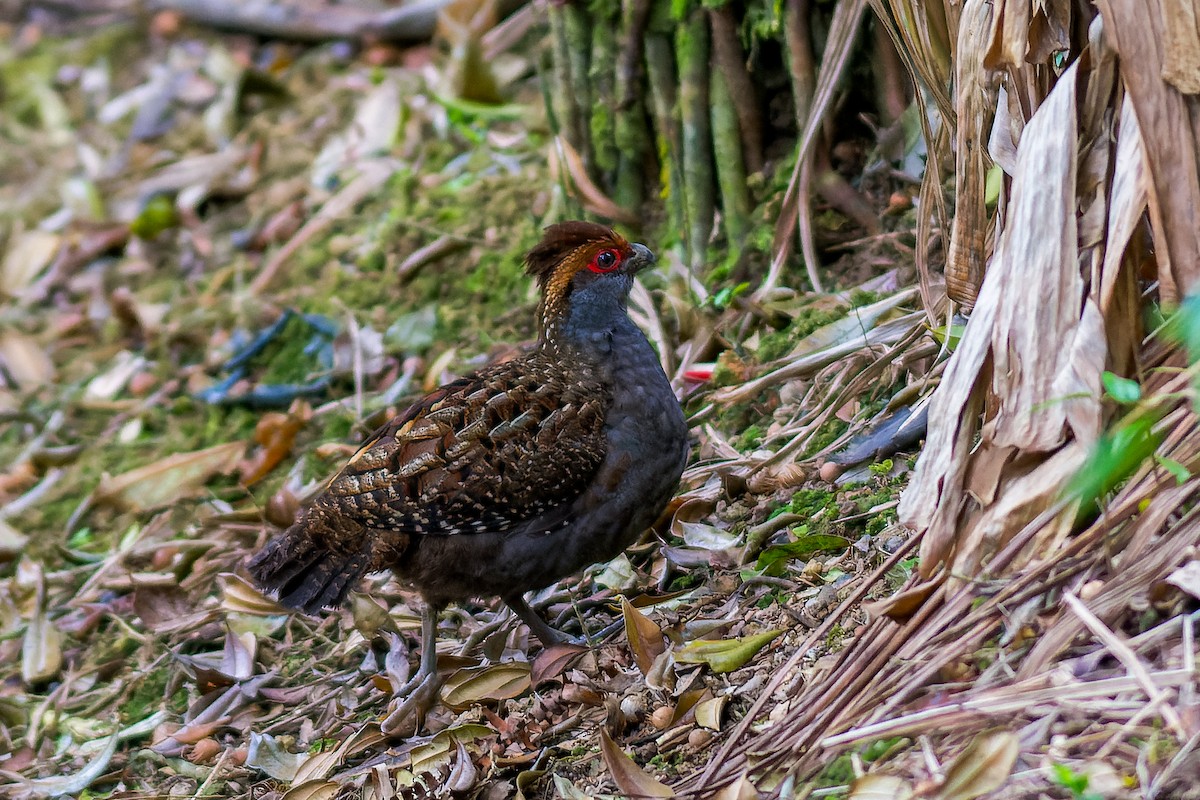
[(307, 568)]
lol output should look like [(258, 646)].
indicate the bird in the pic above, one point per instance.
[(510, 478)]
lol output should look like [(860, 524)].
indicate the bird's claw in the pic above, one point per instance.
[(406, 716)]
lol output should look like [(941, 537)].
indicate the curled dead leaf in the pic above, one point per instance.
[(773, 478), (28, 254), (708, 712), (274, 434), (74, 783), (270, 756), (1187, 578), (740, 789), (463, 774), (902, 605), (168, 480), (442, 750), (312, 790), (41, 650), (629, 777), (485, 684), (880, 787), (552, 661), (982, 767), (645, 637), (25, 360)]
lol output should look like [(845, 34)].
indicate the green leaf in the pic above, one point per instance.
[(772, 560), (991, 191), (1123, 390), (1115, 457), (725, 655), (949, 335), (1179, 471), (155, 217)]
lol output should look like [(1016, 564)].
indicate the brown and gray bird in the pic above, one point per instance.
[(511, 478)]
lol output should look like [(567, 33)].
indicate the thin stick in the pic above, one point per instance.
[(1127, 658)]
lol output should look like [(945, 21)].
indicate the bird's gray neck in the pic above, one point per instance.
[(594, 315)]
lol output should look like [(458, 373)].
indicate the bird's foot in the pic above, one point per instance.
[(412, 701), (547, 635), (409, 705)]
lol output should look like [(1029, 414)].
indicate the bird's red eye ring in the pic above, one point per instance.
[(605, 261)]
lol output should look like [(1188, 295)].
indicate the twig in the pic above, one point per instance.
[(1000, 702), (1127, 658), (31, 497), (843, 30), (437, 249), (722, 757), (372, 175)]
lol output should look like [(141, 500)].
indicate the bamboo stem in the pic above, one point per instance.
[(731, 62), (801, 65), (660, 73), (602, 84), (631, 122), (578, 44), (728, 148), (692, 51), (564, 114)]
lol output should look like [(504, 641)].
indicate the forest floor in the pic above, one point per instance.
[(225, 262)]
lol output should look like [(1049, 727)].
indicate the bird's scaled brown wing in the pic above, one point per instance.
[(508, 447)]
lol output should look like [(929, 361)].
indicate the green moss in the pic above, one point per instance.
[(833, 640), (882, 748), (322, 745), (686, 581), (751, 438), (830, 430), (860, 298), (780, 343), (879, 523), (838, 772), (882, 467), (668, 762), (147, 695), (810, 502)]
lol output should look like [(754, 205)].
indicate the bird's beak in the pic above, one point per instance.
[(643, 257)]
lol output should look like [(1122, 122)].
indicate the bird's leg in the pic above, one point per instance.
[(547, 635), (419, 693)]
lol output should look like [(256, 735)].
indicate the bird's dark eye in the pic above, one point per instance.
[(605, 261)]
